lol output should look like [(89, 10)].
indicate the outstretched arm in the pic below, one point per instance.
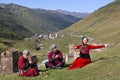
[(96, 47)]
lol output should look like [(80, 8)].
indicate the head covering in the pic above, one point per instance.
[(83, 38), (26, 52), (83, 46), (53, 46)]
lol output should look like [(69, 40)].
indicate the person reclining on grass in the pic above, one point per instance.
[(84, 58), (26, 67), (55, 58)]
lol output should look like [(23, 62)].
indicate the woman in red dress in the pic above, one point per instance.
[(25, 66), (84, 58)]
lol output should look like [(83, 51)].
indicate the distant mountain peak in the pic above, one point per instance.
[(75, 14)]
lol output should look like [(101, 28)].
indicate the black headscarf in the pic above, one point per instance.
[(83, 46)]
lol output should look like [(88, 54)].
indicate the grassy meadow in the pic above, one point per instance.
[(104, 66)]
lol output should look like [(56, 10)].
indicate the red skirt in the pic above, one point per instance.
[(79, 62), (30, 72)]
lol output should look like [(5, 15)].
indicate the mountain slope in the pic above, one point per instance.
[(10, 28), (55, 19), (39, 20), (103, 24)]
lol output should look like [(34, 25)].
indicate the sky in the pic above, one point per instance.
[(69, 5)]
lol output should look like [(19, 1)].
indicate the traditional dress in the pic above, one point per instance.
[(55, 62), (84, 58), (25, 69)]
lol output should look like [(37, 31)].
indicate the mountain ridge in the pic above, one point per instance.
[(76, 14), (40, 21)]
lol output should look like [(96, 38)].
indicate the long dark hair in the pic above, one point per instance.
[(83, 46)]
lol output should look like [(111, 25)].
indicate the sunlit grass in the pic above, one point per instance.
[(105, 66)]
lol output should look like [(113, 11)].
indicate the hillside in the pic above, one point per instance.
[(39, 20), (55, 20), (103, 24), (10, 27)]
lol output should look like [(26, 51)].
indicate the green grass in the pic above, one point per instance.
[(105, 66)]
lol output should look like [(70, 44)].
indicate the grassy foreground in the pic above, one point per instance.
[(105, 66)]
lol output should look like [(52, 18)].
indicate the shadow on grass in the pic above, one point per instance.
[(66, 65), (104, 58)]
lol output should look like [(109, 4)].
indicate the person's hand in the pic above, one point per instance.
[(30, 62), (106, 45), (56, 56), (73, 47)]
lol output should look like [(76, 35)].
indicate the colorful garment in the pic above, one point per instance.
[(58, 62), (84, 58), (25, 68)]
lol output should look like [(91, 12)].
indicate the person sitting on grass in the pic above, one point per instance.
[(84, 58), (26, 67), (55, 58)]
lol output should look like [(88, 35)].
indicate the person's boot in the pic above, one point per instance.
[(46, 65)]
